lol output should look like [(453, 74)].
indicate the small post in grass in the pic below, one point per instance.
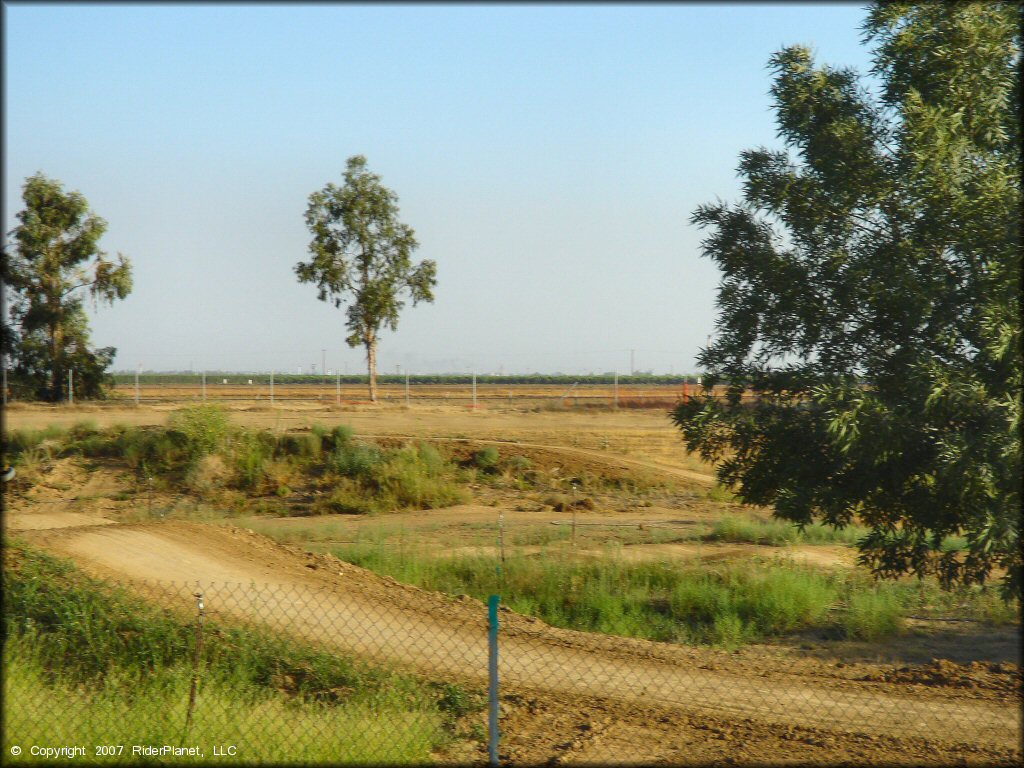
[(195, 664), (501, 536), (492, 668), (574, 518)]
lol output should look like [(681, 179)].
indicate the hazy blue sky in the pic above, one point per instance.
[(548, 157)]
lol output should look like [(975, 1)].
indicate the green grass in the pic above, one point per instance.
[(119, 708), (93, 664), (721, 603), (780, 533)]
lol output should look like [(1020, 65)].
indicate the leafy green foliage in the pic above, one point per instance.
[(870, 299), (487, 459), (205, 427), (55, 258), (359, 247)]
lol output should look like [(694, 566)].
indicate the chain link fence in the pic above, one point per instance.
[(296, 673)]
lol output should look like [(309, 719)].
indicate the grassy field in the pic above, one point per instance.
[(87, 664)]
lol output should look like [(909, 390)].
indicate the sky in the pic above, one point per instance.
[(548, 158)]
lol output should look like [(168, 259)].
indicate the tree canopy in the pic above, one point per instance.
[(54, 263), (362, 254), (870, 298)]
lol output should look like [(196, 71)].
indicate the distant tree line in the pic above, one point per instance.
[(213, 377)]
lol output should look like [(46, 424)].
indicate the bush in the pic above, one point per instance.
[(487, 459), (356, 461), (251, 451), (518, 464), (205, 427)]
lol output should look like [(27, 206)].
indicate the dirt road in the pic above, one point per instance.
[(246, 576)]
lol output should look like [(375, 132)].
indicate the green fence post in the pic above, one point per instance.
[(492, 658)]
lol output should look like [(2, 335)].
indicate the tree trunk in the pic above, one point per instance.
[(56, 374), (371, 365)]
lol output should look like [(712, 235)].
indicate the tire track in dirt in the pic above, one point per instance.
[(349, 608), (617, 461)]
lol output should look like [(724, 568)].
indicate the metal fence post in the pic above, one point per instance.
[(492, 658), (195, 664)]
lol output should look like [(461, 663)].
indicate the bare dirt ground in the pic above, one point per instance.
[(568, 696)]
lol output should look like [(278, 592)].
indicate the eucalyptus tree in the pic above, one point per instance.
[(55, 262), (870, 298), (362, 255)]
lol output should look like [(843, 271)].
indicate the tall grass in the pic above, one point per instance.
[(780, 533), (124, 708), (727, 604), (96, 665)]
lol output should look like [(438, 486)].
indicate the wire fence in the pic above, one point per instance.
[(374, 672), (260, 390)]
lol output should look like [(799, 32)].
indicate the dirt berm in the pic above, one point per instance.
[(246, 576)]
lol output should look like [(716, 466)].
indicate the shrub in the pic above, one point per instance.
[(206, 428), (356, 461), (308, 446), (251, 451), (487, 459), (518, 464)]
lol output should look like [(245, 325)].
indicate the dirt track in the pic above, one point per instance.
[(633, 699), (355, 610)]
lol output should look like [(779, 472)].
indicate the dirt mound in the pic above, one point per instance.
[(1003, 677)]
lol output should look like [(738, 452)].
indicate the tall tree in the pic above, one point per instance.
[(361, 252), (55, 262), (870, 298)]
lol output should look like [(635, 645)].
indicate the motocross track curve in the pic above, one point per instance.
[(323, 599)]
